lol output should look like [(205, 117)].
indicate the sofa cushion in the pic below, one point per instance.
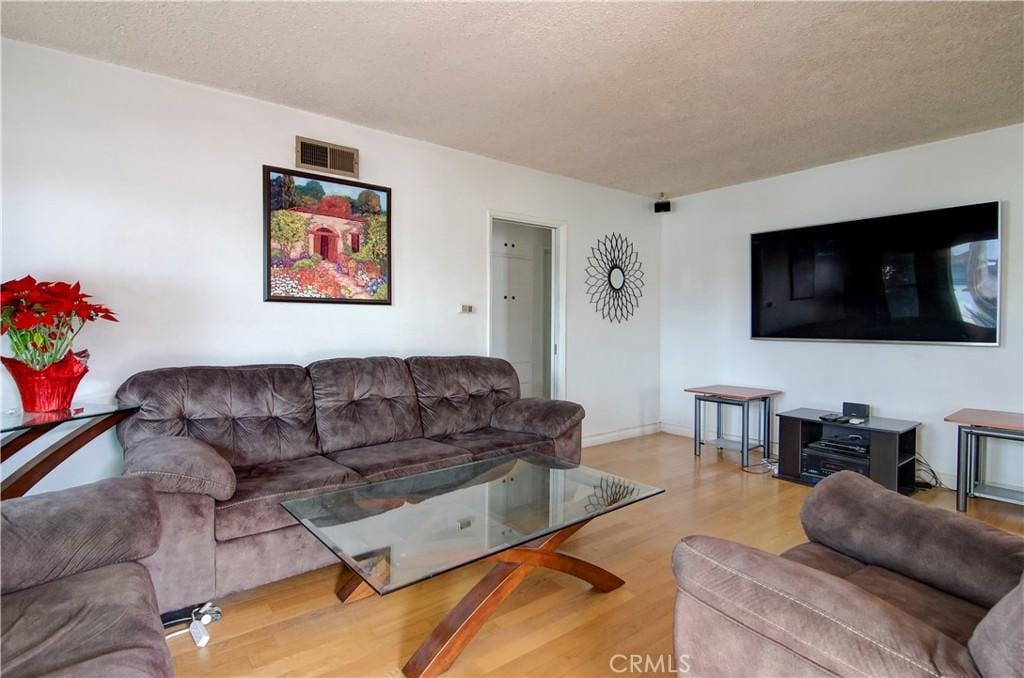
[(401, 458), (364, 401), (254, 414), (176, 464), (461, 393), (997, 644), (101, 622), (375, 498), (548, 418), (944, 612), (953, 616), (256, 504), (856, 516), (51, 535), (280, 553), (832, 622), (490, 442), (823, 558)]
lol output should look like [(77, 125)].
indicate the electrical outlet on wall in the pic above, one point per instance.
[(465, 308)]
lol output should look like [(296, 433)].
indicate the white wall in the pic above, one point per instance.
[(148, 190), (705, 326)]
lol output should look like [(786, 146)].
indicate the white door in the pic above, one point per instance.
[(520, 318), (499, 306), (521, 326), (512, 316)]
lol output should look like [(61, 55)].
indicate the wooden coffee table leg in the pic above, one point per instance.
[(352, 587), (447, 641), (600, 578)]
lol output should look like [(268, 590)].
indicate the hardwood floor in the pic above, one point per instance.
[(554, 624)]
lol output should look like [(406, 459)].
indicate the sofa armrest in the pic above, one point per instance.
[(180, 464), (57, 534), (549, 418), (823, 622), (997, 644), (963, 556)]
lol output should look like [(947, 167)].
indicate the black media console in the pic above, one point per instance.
[(882, 449)]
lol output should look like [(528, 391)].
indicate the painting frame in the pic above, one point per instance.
[(268, 246)]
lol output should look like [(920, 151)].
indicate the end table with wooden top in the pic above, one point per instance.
[(737, 396), (974, 427)]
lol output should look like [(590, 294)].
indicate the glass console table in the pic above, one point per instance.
[(20, 429)]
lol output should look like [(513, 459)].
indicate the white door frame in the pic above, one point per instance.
[(559, 259)]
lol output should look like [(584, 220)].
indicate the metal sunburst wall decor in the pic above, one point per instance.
[(615, 278)]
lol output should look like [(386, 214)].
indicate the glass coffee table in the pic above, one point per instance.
[(514, 511)]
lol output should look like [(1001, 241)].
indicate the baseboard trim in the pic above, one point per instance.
[(621, 434), (686, 431), (949, 480), (677, 429)]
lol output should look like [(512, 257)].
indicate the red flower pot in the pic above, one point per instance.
[(50, 388)]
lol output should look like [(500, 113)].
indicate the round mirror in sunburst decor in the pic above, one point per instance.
[(615, 278)]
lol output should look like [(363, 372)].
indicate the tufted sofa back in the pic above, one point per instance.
[(253, 414), (461, 393), (256, 414), (364, 401)]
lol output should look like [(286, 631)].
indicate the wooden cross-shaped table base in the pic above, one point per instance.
[(447, 641)]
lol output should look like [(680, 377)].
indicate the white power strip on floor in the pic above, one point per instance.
[(202, 616)]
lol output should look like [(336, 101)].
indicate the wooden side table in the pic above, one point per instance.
[(974, 427), (22, 428), (738, 396)]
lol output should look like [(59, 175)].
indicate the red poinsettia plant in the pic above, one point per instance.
[(42, 319)]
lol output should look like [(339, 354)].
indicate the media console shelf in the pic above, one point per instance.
[(891, 443)]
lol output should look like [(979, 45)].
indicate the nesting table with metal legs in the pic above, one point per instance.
[(741, 397), (975, 426)]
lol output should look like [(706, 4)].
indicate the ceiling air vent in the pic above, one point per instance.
[(320, 155)]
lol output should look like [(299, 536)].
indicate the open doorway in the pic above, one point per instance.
[(526, 309)]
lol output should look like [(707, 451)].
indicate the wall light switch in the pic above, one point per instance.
[(465, 308)]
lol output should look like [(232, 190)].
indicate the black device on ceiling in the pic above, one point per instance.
[(661, 204), (928, 276)]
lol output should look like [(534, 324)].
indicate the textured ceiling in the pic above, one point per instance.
[(647, 97)]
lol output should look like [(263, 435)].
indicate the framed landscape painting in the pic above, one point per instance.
[(326, 239)]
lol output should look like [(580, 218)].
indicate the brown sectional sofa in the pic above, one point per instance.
[(75, 599), (224, 446), (886, 586)]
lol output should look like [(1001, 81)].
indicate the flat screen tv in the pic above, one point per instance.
[(920, 277)]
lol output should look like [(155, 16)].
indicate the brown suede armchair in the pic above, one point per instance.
[(886, 586), (75, 601)]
